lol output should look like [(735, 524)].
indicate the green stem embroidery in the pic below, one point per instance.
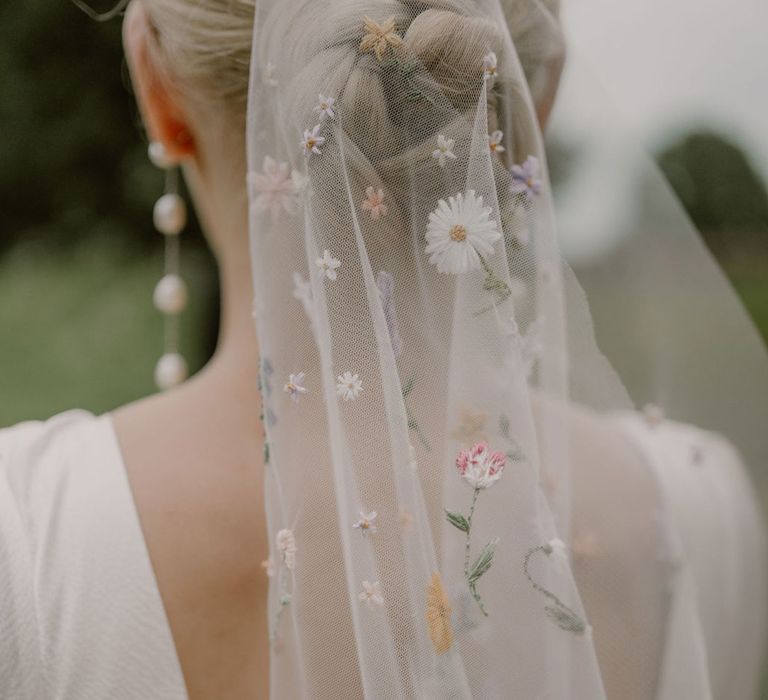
[(473, 572), (285, 601), (495, 285), (563, 616), (412, 423)]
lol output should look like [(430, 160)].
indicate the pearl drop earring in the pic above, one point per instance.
[(170, 297)]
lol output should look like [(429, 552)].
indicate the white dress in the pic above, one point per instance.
[(81, 617)]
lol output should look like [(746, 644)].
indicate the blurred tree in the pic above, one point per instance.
[(721, 190), (73, 159)]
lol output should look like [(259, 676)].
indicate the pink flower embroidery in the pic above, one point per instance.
[(374, 203), (480, 467)]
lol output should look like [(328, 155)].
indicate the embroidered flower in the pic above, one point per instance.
[(525, 178), (312, 141), (494, 142), (269, 75), (380, 37), (349, 386), (459, 232), (302, 290), (371, 595), (273, 187), (269, 567), (385, 282), (470, 428), (439, 615), (374, 203), (294, 387), (328, 265), (490, 68), (366, 523), (324, 107), (480, 467), (444, 150), (286, 544)]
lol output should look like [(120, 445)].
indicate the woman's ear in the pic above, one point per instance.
[(160, 105)]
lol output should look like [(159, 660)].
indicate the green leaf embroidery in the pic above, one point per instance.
[(457, 520), (483, 562), (566, 619)]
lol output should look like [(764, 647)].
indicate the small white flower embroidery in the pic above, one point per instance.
[(269, 567), (366, 523), (494, 142), (302, 290), (371, 594), (324, 108), (349, 386), (444, 150), (312, 141), (374, 203), (490, 68), (286, 543), (328, 265), (459, 232), (273, 188), (269, 75), (380, 37), (294, 387)]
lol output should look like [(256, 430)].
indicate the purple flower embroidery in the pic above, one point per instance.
[(525, 178), (386, 284)]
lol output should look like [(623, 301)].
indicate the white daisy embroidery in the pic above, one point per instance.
[(490, 68), (349, 386), (494, 142), (460, 231), (371, 594), (286, 544), (366, 524), (328, 265), (273, 188), (324, 107), (374, 203), (312, 141), (294, 387), (269, 75), (444, 150)]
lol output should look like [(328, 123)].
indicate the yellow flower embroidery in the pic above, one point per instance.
[(439, 615), (470, 428), (380, 37)]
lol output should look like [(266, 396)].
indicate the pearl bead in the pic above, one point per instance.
[(159, 156), (171, 295), (171, 370), (170, 214)]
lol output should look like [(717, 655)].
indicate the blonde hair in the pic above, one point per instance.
[(205, 46)]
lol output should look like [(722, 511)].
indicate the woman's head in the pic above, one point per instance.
[(191, 60)]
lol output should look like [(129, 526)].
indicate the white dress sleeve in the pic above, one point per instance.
[(81, 617), (714, 541)]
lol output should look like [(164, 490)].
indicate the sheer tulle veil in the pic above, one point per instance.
[(425, 347)]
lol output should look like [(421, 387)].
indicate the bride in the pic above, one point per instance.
[(419, 477)]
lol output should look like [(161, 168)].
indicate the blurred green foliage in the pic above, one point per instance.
[(721, 190)]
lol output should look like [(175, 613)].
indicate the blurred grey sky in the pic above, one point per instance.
[(639, 74), (668, 62)]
